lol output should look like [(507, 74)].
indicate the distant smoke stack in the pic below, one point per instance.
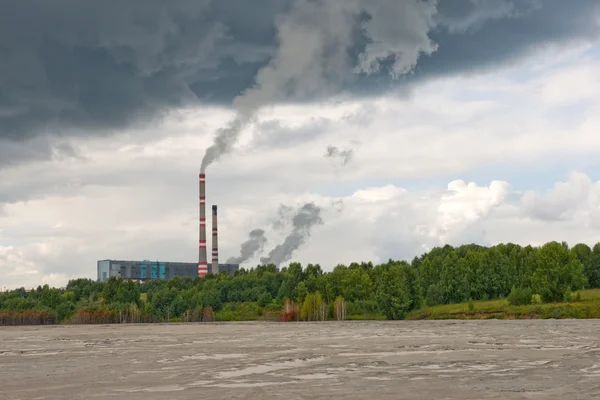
[(215, 242), (202, 261)]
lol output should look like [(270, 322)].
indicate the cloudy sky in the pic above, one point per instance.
[(408, 124)]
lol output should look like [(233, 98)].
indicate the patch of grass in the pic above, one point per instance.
[(367, 317), (590, 295), (248, 312), (587, 307)]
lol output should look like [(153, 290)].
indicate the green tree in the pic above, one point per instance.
[(583, 254), (69, 297), (393, 294), (65, 310), (109, 291), (50, 297), (313, 308), (212, 298), (593, 272), (558, 272), (265, 299), (302, 292)]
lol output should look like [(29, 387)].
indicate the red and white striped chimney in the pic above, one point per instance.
[(215, 242), (202, 260)]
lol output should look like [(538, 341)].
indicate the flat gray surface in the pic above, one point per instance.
[(360, 360)]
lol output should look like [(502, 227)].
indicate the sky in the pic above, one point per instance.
[(400, 126)]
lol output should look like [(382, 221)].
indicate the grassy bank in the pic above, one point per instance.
[(587, 307), (248, 312)]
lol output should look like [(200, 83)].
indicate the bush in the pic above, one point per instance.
[(65, 311), (520, 296), (264, 299), (361, 308), (471, 305), (288, 316), (574, 297), (208, 314), (227, 315)]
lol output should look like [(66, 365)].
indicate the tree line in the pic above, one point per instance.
[(553, 272)]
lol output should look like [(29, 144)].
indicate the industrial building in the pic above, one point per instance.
[(149, 270)]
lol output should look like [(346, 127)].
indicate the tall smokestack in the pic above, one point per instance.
[(202, 262), (215, 242)]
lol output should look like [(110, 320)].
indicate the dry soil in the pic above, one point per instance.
[(350, 360)]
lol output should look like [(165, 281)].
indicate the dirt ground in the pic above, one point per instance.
[(350, 360)]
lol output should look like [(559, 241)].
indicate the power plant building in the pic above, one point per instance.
[(150, 270)]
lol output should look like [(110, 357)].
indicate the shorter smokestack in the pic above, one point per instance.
[(215, 242)]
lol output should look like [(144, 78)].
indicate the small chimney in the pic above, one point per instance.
[(202, 260), (215, 242)]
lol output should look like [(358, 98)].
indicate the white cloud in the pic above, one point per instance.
[(465, 203), (577, 200), (570, 84)]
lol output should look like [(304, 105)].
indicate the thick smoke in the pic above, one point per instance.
[(224, 140), (308, 216), (307, 46), (313, 57), (345, 156), (251, 247)]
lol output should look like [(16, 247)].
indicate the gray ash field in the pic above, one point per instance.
[(351, 360)]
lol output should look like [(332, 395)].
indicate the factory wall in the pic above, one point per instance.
[(229, 268), (149, 270), (103, 270)]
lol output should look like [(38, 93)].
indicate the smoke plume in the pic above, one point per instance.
[(345, 156), (308, 216), (314, 57), (308, 49), (223, 141), (282, 213), (254, 245)]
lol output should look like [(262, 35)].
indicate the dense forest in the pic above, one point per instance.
[(550, 273)]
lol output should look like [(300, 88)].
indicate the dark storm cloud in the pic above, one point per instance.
[(475, 35), (526, 27), (40, 148), (90, 64), (83, 66), (460, 16)]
